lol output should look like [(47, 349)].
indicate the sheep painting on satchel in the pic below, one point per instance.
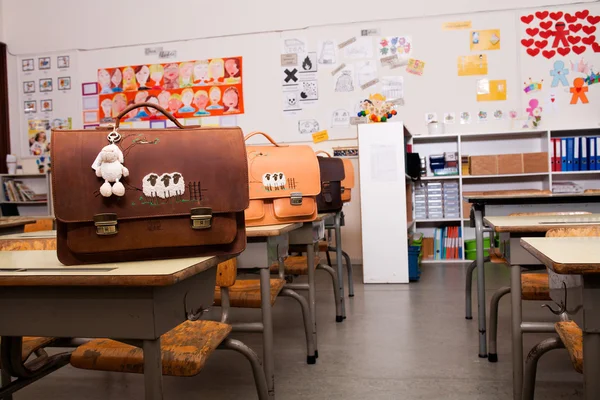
[(163, 186), (274, 181)]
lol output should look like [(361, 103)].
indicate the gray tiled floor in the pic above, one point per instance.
[(399, 342)]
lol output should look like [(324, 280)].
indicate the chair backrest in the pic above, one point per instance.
[(550, 213), (587, 231), (43, 224), (227, 273), (27, 244)]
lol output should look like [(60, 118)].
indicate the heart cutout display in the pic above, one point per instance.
[(595, 47), (556, 15), (526, 42), (589, 29), (543, 14), (570, 18), (579, 49), (582, 14), (578, 89), (545, 34), (532, 31), (546, 24), (540, 44), (534, 52), (575, 28), (574, 39), (593, 20), (527, 19), (552, 99), (589, 40), (548, 53), (563, 51)]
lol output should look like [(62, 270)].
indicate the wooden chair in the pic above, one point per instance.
[(185, 349), (42, 224), (534, 285), (570, 335)]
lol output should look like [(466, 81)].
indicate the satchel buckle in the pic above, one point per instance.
[(106, 224), (326, 191), (296, 199), (201, 217), (342, 190)]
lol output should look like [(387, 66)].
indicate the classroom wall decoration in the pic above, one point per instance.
[(187, 89)]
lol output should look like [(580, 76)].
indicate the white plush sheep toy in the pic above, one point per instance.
[(109, 166)]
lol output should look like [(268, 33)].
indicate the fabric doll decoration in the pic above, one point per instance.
[(109, 166)]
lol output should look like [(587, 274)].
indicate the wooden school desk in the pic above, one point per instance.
[(335, 222), (578, 256), (133, 301), (10, 225), (511, 230)]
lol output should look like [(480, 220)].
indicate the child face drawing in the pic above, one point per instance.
[(174, 104), (118, 104), (150, 110), (201, 72), (104, 78), (117, 78), (231, 67), (128, 75), (216, 69), (157, 76), (106, 107), (163, 99), (140, 97), (230, 99), (143, 75), (186, 71), (215, 95), (186, 97), (171, 72), (201, 101)]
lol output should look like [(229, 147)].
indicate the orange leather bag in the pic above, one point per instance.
[(284, 182), (348, 182)]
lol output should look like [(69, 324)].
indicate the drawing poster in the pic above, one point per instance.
[(299, 83), (188, 89), (400, 46)]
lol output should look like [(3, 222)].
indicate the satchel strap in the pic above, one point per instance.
[(323, 152), (151, 105), (269, 138)]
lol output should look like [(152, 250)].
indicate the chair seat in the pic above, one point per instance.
[(246, 293), (323, 246), (27, 244), (535, 286), (185, 350), (497, 257), (572, 338), (31, 344), (295, 265)]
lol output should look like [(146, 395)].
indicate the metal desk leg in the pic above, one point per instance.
[(480, 280), (152, 370), (339, 259), (591, 336), (267, 319), (517, 333), (310, 258)]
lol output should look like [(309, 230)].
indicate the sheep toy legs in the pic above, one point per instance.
[(117, 189)]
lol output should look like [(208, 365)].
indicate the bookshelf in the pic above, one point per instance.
[(38, 183), (501, 142)]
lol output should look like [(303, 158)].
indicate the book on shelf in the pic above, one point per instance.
[(17, 191)]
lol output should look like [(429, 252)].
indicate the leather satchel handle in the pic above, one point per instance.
[(269, 138), (151, 105), (323, 152)]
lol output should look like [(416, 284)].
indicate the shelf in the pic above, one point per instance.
[(454, 261), (421, 221), (575, 173), (435, 178), (23, 175), (434, 138), (25, 203), (502, 133), (504, 175)]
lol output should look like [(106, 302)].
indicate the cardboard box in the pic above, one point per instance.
[(483, 165), (535, 162), (466, 209), (510, 164)]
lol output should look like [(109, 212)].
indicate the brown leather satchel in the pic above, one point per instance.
[(184, 194), (348, 182), (332, 174), (284, 182)]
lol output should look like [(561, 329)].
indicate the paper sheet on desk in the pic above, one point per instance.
[(384, 163)]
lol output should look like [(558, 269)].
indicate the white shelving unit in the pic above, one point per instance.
[(502, 142), (39, 183)]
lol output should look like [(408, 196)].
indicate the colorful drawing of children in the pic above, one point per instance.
[(163, 99), (200, 73), (185, 74), (104, 81), (187, 96), (175, 103), (216, 71), (215, 96), (119, 103), (232, 68), (142, 74), (231, 100), (135, 115), (152, 112), (117, 81), (171, 77), (201, 101), (156, 75), (106, 106), (129, 83)]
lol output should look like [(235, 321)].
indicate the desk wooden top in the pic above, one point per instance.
[(540, 223), (271, 230), (566, 255), (11, 222), (529, 196), (30, 235), (42, 268)]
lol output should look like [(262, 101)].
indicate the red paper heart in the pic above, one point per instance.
[(593, 20), (534, 52), (546, 25), (545, 34), (578, 89), (589, 29), (532, 31), (589, 40), (563, 51), (526, 42), (543, 14), (596, 47), (579, 49), (540, 44), (556, 15), (575, 28), (548, 53), (574, 39), (527, 18), (570, 18), (582, 14), (552, 99)]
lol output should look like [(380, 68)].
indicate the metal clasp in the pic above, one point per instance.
[(201, 217), (326, 191), (106, 224), (296, 199)]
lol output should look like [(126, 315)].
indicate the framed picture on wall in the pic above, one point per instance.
[(91, 103), (27, 65), (90, 117), (46, 105), (64, 83), (44, 63), (63, 62), (29, 87), (46, 85), (30, 107), (89, 88), (160, 124)]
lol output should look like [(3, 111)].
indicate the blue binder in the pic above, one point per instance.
[(570, 154), (563, 154), (591, 153), (576, 154), (583, 154), (597, 140)]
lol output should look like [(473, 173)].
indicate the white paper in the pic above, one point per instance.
[(299, 83), (366, 71), (91, 103), (449, 118), (392, 87), (340, 118), (327, 52), (294, 45), (343, 81), (308, 126), (384, 163), (430, 117), (361, 48)]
